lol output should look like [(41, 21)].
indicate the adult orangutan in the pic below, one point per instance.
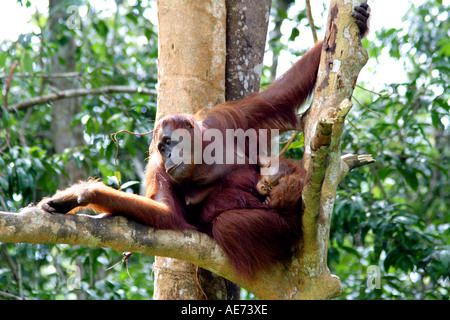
[(219, 199)]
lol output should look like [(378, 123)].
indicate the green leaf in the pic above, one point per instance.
[(391, 258), (297, 144), (3, 57), (444, 47), (6, 118), (383, 173), (27, 63), (77, 159), (89, 125), (22, 178), (351, 251), (294, 34), (118, 175), (282, 14), (116, 116), (436, 119), (129, 184), (62, 61), (410, 177), (130, 16), (147, 32), (101, 28), (389, 32)]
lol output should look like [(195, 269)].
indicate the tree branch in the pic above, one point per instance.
[(32, 225), (78, 93), (311, 20), (353, 161), (8, 84), (44, 75), (10, 296), (341, 61)]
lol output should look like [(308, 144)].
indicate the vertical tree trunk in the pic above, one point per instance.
[(247, 23), (64, 110), (191, 75), (191, 70)]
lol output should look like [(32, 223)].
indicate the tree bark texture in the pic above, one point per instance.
[(247, 23), (191, 62), (191, 76), (342, 59)]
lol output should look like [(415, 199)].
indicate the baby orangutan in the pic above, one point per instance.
[(283, 188)]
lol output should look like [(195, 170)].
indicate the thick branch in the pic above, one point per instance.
[(31, 225), (341, 61), (78, 93)]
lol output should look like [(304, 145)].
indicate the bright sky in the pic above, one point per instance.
[(14, 17), (385, 13)]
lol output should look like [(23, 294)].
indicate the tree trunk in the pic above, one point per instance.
[(63, 111), (191, 75), (247, 23)]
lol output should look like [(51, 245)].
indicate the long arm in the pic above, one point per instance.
[(276, 106), (105, 199), (288, 93)]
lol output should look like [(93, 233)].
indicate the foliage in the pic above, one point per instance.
[(73, 272), (114, 46), (394, 215), (111, 50)]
